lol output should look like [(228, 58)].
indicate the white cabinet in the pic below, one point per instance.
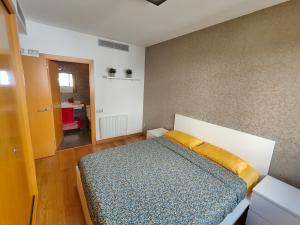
[(156, 133), (274, 202), (254, 218)]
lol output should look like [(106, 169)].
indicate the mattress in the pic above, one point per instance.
[(157, 182)]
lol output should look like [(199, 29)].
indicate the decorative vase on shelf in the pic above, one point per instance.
[(112, 72), (128, 73)]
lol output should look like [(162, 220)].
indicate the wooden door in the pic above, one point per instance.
[(55, 92), (18, 184), (40, 107)]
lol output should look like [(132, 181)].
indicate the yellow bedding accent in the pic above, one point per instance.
[(222, 157), (184, 139), (229, 161), (250, 176)]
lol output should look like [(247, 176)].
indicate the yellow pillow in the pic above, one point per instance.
[(222, 157), (184, 139), (250, 176)]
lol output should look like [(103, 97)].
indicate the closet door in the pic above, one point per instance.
[(18, 185), (40, 106)]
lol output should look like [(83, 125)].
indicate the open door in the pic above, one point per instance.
[(56, 102), (18, 188), (40, 106), (44, 105)]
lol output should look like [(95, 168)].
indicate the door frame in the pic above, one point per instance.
[(90, 62)]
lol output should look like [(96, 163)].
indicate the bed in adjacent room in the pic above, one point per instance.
[(159, 181)]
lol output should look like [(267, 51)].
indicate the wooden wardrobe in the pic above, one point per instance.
[(18, 188)]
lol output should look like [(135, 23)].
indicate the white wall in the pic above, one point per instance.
[(113, 96)]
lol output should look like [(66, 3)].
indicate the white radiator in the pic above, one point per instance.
[(113, 126)]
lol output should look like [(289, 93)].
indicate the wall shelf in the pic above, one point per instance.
[(120, 78)]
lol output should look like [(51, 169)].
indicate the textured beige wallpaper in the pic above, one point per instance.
[(243, 74)]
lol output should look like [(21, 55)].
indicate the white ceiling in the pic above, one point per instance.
[(138, 21)]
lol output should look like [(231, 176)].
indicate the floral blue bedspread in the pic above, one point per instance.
[(157, 182)]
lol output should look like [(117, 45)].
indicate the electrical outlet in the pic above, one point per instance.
[(99, 111)]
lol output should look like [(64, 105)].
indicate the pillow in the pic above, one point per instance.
[(222, 157), (184, 139), (250, 176)]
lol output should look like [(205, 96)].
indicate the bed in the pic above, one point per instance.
[(160, 182)]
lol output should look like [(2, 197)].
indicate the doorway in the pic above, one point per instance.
[(70, 65), (74, 93), (60, 96)]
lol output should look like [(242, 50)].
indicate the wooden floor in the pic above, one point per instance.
[(75, 139), (59, 202)]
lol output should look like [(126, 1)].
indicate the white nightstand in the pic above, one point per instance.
[(274, 202), (156, 133)]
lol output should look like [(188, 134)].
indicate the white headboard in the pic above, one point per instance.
[(255, 150)]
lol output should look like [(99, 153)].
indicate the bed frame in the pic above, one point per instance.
[(83, 201), (256, 150)]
